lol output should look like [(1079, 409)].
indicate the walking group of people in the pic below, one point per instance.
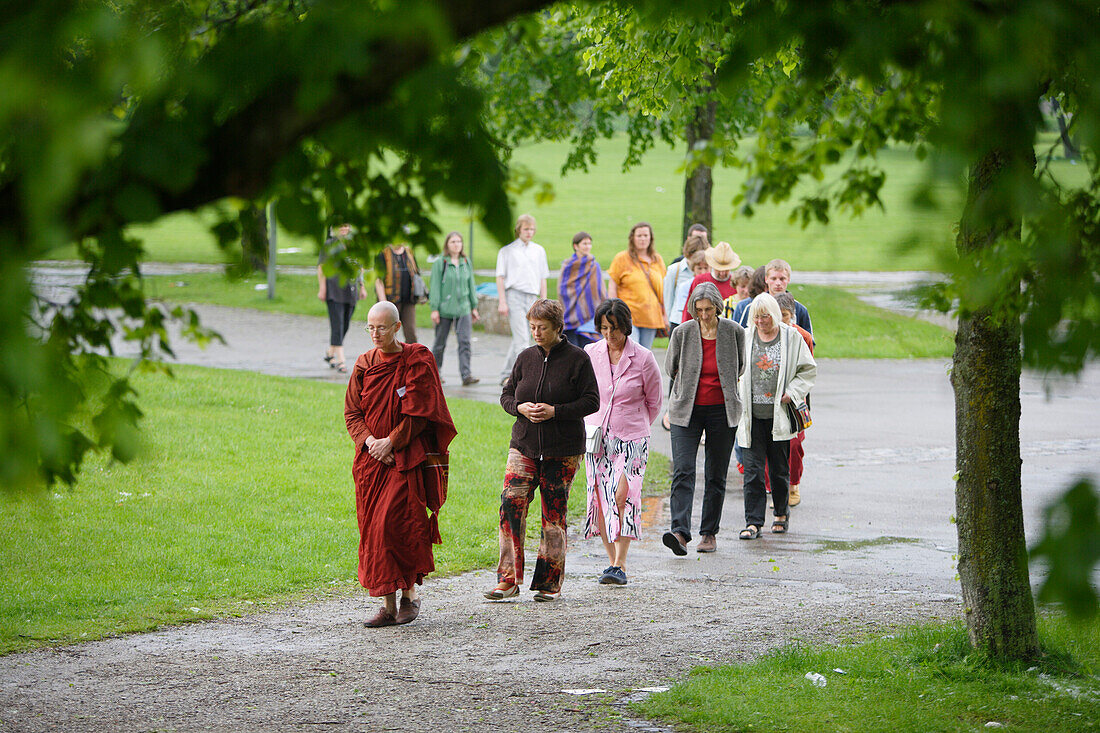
[(588, 389)]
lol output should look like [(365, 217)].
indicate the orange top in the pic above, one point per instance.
[(646, 303)]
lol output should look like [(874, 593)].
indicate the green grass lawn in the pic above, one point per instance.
[(255, 506), (844, 326), (925, 679), (606, 202)]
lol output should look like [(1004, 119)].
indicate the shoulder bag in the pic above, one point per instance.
[(799, 416), (593, 434)]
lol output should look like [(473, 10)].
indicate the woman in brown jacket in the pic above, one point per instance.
[(551, 389)]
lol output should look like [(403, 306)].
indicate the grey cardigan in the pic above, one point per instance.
[(684, 362)]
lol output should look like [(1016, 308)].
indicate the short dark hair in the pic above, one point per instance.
[(580, 237), (548, 310), (785, 301), (618, 310)]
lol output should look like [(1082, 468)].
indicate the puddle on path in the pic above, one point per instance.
[(851, 545)]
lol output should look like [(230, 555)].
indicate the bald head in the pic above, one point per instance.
[(382, 323), (383, 313)]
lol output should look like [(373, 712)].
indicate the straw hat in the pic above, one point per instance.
[(722, 257)]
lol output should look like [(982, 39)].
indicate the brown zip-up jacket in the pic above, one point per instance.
[(563, 378)]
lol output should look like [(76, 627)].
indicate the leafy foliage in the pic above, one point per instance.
[(117, 113), (1071, 546)]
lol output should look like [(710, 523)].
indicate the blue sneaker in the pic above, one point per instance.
[(614, 576)]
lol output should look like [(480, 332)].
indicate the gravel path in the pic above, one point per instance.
[(871, 548)]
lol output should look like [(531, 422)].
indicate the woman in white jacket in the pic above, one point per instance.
[(779, 370)]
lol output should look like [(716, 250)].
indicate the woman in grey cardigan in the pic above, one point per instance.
[(704, 363)]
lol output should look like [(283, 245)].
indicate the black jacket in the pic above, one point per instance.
[(563, 378)]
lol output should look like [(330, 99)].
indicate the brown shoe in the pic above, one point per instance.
[(794, 498), (707, 543), (675, 542), (382, 618), (408, 611)]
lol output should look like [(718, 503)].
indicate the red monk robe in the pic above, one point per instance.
[(398, 395)]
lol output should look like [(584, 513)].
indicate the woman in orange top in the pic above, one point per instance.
[(637, 277)]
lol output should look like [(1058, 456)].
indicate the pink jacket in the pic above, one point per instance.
[(638, 393)]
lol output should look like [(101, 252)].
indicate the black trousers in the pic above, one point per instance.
[(775, 454), (339, 320), (709, 419)]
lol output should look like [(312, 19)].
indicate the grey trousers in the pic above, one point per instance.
[(463, 332), (519, 303)]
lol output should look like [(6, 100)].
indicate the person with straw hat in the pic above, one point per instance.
[(722, 261)]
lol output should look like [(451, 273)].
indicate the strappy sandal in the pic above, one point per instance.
[(779, 526), (342, 368), (329, 361), (502, 591), (750, 532)]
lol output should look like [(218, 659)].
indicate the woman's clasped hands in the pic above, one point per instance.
[(536, 411)]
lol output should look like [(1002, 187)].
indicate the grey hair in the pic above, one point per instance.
[(765, 302), (385, 306), (704, 291)]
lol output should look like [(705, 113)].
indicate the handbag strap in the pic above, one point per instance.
[(611, 399), (648, 279)]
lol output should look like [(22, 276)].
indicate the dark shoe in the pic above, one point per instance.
[(382, 618), (675, 542), (615, 576), (607, 576), (707, 543), (751, 532), (467, 381), (407, 611)]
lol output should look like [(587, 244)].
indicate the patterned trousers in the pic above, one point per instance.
[(552, 476)]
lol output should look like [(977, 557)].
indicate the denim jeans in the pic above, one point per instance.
[(774, 454), (709, 419), (643, 336)]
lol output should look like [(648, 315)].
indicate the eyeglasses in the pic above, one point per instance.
[(379, 329)]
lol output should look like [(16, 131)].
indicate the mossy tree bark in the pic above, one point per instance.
[(999, 609), (699, 185), (254, 237)]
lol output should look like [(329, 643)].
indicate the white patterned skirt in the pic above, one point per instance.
[(603, 472)]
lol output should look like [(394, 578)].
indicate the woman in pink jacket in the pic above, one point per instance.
[(630, 400)]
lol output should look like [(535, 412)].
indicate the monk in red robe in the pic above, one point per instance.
[(397, 416)]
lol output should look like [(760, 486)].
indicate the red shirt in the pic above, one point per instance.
[(709, 391), (725, 289)]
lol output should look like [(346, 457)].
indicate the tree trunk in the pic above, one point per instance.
[(999, 610), (699, 184), (254, 241)]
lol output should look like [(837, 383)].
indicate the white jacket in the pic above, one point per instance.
[(796, 382)]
